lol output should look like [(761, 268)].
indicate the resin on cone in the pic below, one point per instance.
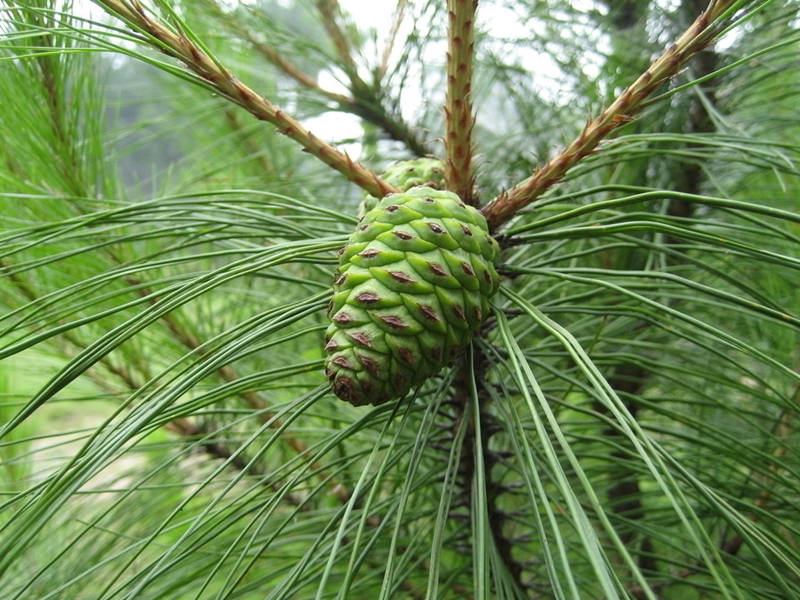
[(412, 288), (428, 172)]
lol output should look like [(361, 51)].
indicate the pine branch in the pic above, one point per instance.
[(331, 14), (476, 448), (397, 20), (363, 101), (178, 45), (624, 109), (459, 119), (272, 55), (47, 64), (690, 176)]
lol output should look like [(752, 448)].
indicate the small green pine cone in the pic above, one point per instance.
[(412, 288), (428, 172)]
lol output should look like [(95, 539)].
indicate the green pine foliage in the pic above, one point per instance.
[(623, 423)]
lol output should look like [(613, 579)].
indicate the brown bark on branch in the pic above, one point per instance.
[(697, 37), (397, 20), (331, 14), (363, 101), (223, 81), (459, 119)]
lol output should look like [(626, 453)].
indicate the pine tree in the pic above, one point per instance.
[(617, 419)]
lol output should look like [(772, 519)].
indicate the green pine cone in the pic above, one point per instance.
[(412, 288), (404, 175)]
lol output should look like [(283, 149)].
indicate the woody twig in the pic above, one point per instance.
[(458, 173), (175, 42), (697, 37)]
